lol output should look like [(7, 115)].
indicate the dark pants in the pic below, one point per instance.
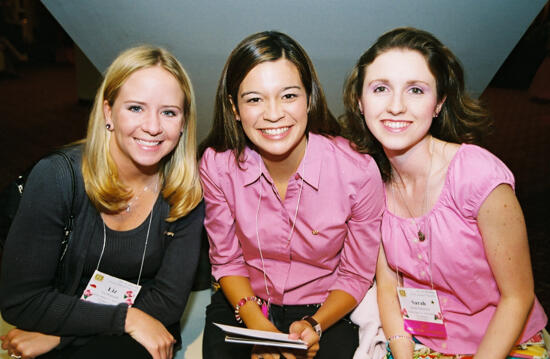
[(109, 347), (338, 341), (102, 346)]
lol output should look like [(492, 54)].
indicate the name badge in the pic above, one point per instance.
[(421, 312), (106, 289)]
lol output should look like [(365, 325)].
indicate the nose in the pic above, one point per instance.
[(273, 111), (396, 104), (152, 124)]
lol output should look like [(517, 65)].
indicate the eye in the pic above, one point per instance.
[(380, 89), (416, 90), (169, 113), (135, 108), (253, 100), (289, 96)]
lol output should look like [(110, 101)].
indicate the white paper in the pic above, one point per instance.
[(260, 337)]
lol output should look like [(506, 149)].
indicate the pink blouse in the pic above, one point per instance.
[(467, 290), (337, 232)]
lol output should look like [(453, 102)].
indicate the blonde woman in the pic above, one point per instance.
[(137, 224)]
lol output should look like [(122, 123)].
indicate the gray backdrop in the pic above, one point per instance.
[(335, 33)]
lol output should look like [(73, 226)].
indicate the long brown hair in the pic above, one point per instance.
[(461, 119), (226, 132)]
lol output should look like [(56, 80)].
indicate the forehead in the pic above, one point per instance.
[(151, 77), (400, 64), (281, 72)]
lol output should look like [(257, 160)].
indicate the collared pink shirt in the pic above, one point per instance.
[(336, 236), (467, 290)]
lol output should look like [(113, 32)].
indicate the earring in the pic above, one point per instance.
[(108, 126)]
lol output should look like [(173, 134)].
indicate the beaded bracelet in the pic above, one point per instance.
[(394, 337), (243, 302)]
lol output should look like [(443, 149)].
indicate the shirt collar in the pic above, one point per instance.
[(309, 169)]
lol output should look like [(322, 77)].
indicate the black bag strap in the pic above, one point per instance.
[(70, 220)]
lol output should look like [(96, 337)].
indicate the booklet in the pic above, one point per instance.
[(259, 337)]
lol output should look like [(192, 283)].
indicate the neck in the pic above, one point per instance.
[(411, 164), (281, 168), (137, 177)]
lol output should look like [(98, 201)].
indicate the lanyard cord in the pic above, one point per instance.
[(144, 249), (293, 222)]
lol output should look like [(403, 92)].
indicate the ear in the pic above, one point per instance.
[(107, 113), (234, 109), (439, 106), (360, 106)]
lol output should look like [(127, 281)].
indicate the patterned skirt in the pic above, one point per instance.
[(534, 348)]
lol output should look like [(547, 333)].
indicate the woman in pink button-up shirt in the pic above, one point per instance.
[(292, 211), (452, 223)]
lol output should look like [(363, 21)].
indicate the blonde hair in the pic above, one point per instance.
[(178, 170)]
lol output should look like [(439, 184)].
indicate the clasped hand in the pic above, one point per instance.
[(28, 345)]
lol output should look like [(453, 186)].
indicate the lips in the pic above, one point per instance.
[(147, 143), (395, 125), (275, 131)]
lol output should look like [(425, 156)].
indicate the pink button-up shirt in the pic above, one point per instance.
[(336, 236), (467, 290)]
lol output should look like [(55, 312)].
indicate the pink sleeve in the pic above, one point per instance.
[(225, 251), (358, 261), (476, 173)]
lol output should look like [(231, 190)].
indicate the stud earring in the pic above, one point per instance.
[(108, 126)]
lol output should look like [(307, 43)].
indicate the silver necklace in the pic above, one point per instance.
[(421, 235), (135, 198)]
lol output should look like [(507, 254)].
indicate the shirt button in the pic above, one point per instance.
[(420, 256), (423, 273)]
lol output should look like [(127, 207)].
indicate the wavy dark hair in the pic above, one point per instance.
[(461, 119), (226, 132)]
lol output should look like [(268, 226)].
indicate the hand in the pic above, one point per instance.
[(262, 352), (28, 344), (150, 333), (301, 329)]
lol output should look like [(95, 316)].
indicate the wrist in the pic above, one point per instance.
[(242, 303), (314, 324)]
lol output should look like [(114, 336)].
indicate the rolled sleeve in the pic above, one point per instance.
[(359, 254), (225, 251)]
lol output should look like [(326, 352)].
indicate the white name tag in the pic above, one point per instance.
[(421, 312), (106, 289)]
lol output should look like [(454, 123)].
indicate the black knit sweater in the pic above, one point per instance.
[(30, 300)]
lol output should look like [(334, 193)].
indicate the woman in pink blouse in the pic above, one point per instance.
[(292, 211), (454, 272)]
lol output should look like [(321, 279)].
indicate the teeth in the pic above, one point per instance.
[(393, 124), (275, 131), (147, 143)]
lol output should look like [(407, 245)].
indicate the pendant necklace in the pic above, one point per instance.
[(421, 235)]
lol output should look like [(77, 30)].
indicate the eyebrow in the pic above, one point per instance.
[(144, 103), (282, 90), (410, 82)]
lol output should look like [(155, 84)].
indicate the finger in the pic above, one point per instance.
[(171, 351), (289, 355)]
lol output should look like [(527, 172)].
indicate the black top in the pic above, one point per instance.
[(28, 298)]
